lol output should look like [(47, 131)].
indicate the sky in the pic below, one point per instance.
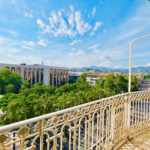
[(77, 33)]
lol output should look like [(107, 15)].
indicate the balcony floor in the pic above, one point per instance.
[(137, 144)]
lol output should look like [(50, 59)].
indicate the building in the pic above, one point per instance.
[(40, 73), (91, 77), (75, 75), (140, 77)]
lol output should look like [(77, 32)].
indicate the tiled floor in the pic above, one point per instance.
[(137, 144)]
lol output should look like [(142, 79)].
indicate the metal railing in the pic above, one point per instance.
[(100, 124)]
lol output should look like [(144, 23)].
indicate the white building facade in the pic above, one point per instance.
[(49, 75), (91, 79)]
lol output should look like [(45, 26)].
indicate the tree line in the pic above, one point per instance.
[(147, 76), (43, 99)]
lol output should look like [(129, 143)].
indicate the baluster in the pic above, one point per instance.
[(138, 111), (113, 122), (129, 113), (85, 133), (132, 107), (97, 130), (147, 110), (92, 130), (144, 111), (41, 134), (70, 139)]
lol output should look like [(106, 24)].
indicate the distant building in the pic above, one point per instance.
[(92, 71), (140, 77), (91, 77), (75, 75), (40, 73)]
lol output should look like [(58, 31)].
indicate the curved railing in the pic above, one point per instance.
[(102, 124)]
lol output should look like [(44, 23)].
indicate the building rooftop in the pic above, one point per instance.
[(105, 74), (140, 73), (32, 65)]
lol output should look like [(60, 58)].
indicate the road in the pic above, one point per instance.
[(145, 86)]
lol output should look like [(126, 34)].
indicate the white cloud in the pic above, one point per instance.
[(42, 42), (118, 66), (94, 11), (48, 62), (111, 55), (43, 14), (73, 49), (79, 53), (40, 22), (107, 64), (94, 46), (75, 41), (36, 60), (15, 50), (71, 16), (26, 47), (9, 55), (13, 1), (33, 59), (97, 24), (28, 15), (96, 51), (58, 26), (148, 64), (104, 30), (13, 33), (92, 33), (62, 23), (9, 31), (54, 18), (28, 43), (81, 26)]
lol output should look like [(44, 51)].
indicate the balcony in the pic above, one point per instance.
[(117, 122)]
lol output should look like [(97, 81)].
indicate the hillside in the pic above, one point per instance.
[(104, 69)]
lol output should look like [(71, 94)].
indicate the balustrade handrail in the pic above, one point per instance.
[(107, 123), (35, 119)]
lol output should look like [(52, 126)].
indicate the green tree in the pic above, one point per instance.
[(83, 76), (121, 84), (9, 88), (147, 76), (99, 82), (38, 84), (110, 82), (8, 77), (134, 82), (26, 84), (43, 99), (71, 81)]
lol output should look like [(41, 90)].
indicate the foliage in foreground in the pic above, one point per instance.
[(43, 99)]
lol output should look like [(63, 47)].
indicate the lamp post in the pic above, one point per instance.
[(130, 60)]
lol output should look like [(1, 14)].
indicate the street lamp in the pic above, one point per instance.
[(130, 60)]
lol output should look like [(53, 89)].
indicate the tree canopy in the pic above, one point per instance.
[(9, 80), (147, 76), (43, 99)]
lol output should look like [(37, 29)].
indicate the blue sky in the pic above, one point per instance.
[(77, 33)]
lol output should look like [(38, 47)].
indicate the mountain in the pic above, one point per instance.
[(143, 69)]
